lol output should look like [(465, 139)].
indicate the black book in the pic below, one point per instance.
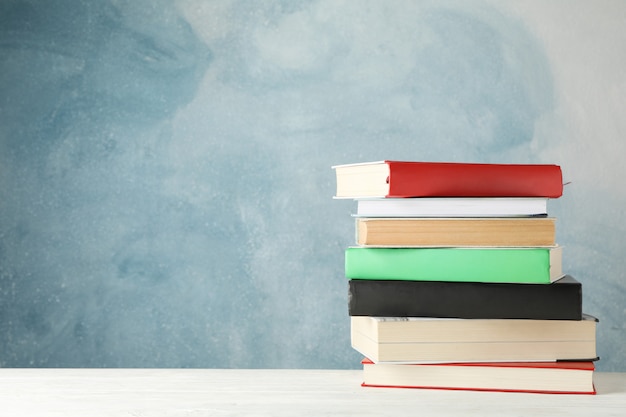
[(561, 300)]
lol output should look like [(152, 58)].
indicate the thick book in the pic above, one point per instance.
[(403, 179), (532, 377), (506, 265), (453, 207), (428, 339), (405, 232), (561, 300)]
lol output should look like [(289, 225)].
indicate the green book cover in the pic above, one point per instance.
[(506, 265)]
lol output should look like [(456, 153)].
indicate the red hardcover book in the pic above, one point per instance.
[(399, 179), (535, 377)]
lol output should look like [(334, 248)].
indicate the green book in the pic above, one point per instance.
[(506, 265)]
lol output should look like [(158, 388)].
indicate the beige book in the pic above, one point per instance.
[(451, 232)]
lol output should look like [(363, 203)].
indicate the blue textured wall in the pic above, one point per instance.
[(165, 181)]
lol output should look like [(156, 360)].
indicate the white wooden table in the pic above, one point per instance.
[(236, 392)]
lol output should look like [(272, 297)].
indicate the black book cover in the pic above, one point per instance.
[(561, 300)]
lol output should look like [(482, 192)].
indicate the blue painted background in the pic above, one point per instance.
[(165, 181)]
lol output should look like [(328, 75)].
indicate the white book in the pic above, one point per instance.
[(397, 340), (452, 207)]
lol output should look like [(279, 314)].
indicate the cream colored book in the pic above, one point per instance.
[(432, 340), (450, 232)]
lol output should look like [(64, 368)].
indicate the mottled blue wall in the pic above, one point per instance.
[(165, 181)]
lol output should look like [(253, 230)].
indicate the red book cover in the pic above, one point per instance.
[(562, 377), (448, 179)]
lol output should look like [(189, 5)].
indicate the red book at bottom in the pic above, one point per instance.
[(537, 377)]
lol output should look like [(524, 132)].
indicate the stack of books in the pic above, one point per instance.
[(456, 279)]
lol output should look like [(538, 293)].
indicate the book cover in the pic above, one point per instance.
[(405, 232), (403, 179), (428, 339), (561, 300), (506, 265), (532, 377)]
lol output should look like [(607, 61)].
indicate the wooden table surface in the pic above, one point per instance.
[(279, 392)]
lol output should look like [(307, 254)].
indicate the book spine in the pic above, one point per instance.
[(384, 298), (511, 265), (432, 179)]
